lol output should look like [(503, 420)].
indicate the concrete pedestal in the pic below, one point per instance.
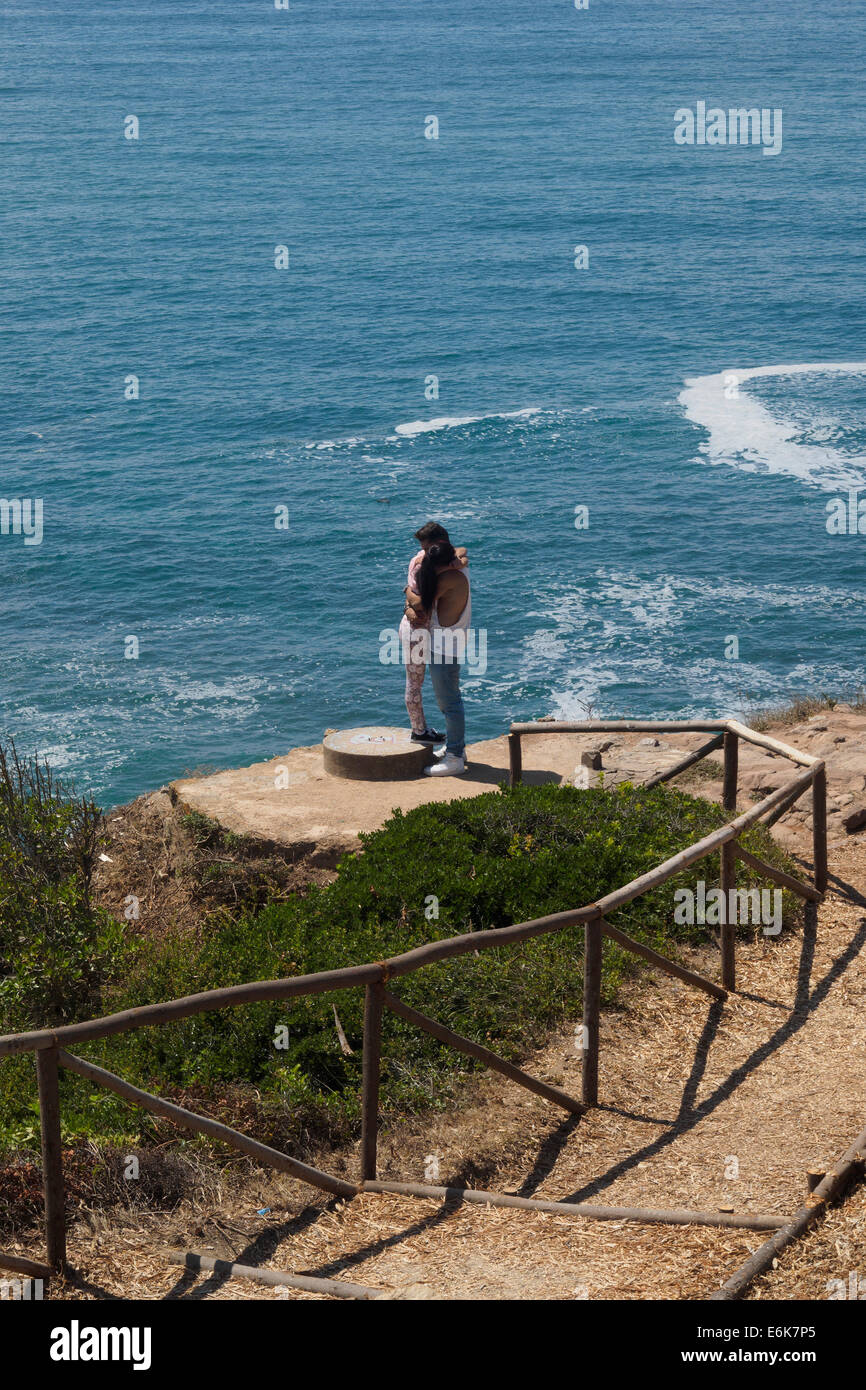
[(376, 754)]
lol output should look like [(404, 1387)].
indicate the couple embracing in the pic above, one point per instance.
[(433, 631)]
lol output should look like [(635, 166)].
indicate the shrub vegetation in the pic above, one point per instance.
[(437, 871)]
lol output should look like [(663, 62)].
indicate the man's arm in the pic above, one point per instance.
[(414, 609)]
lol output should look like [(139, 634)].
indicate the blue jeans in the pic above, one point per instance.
[(445, 676)]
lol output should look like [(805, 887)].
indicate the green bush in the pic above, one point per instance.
[(480, 863), (435, 872), (56, 948)]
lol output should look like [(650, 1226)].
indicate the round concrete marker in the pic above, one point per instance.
[(375, 755)]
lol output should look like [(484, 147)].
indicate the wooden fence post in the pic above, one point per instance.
[(819, 827), (729, 925), (373, 1005), (515, 759), (591, 1008), (47, 1073), (729, 793)]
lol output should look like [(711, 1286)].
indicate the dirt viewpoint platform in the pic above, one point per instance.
[(293, 801)]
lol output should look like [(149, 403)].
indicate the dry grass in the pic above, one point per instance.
[(795, 711), (709, 769), (181, 867)]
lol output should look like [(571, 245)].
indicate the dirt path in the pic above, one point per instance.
[(703, 1105)]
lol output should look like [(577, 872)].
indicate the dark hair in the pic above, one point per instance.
[(436, 558), (432, 531)]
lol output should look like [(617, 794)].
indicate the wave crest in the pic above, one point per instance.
[(745, 434)]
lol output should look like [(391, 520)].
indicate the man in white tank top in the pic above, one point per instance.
[(451, 616)]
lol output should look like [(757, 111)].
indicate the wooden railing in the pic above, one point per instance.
[(50, 1044)]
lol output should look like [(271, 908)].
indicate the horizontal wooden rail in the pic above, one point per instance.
[(662, 962), (337, 1288), (772, 745), (805, 890), (685, 763), (832, 1186), (201, 1125), (235, 995), (482, 940), (31, 1268), (172, 1009), (675, 1217), (620, 726), (665, 726), (482, 1054), (732, 727)]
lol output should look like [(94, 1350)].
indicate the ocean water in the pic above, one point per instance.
[(700, 386)]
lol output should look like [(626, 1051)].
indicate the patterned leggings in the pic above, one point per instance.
[(414, 681), (414, 703)]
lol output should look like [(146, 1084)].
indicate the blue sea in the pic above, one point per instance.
[(697, 380)]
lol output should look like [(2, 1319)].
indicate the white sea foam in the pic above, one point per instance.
[(581, 694), (622, 629), (236, 690), (415, 427), (448, 422), (59, 756), (745, 434)]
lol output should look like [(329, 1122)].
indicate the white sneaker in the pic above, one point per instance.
[(448, 766)]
